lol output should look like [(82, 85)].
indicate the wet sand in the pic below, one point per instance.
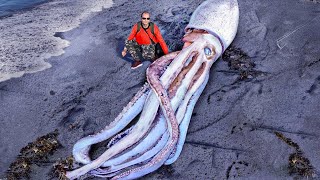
[(231, 133)]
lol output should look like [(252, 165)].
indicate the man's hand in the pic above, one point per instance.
[(124, 52)]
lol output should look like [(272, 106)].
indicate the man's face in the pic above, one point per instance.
[(145, 18)]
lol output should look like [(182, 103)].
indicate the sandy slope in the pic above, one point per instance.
[(231, 131)]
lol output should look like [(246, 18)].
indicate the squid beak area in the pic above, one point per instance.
[(192, 35), (191, 60)]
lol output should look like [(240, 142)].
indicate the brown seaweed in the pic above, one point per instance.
[(240, 63), (34, 153), (61, 167), (298, 164)]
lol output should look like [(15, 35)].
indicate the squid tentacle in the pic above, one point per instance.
[(165, 60), (184, 123), (154, 72), (144, 157), (153, 77), (147, 116), (154, 135), (191, 71), (149, 154), (157, 161), (190, 84), (82, 146), (96, 173), (119, 136), (191, 97)]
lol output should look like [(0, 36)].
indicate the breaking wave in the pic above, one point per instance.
[(27, 38)]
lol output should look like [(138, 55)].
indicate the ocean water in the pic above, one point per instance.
[(8, 7), (27, 37)]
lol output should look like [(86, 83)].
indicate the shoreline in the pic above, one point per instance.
[(34, 40), (22, 10)]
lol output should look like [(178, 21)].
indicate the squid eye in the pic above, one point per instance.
[(207, 51)]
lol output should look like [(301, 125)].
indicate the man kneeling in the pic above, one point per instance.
[(142, 41)]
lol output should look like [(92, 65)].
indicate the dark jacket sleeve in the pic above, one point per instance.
[(162, 43)]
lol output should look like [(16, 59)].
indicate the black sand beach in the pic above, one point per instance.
[(275, 88)]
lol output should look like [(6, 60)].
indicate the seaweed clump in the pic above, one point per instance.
[(298, 164), (239, 63), (21, 168), (61, 167), (34, 153)]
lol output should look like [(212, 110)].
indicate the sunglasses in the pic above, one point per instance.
[(146, 18)]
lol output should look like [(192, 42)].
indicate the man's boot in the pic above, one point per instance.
[(136, 64)]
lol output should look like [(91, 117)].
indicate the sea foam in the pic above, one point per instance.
[(27, 38)]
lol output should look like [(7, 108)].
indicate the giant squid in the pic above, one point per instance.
[(165, 103)]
